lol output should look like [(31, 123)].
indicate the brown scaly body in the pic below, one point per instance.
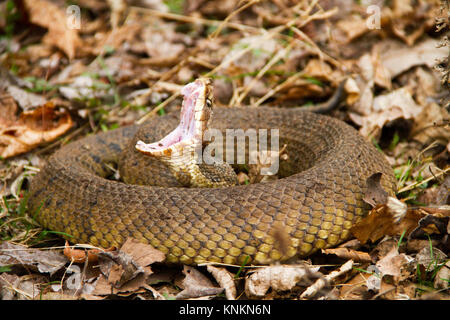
[(314, 205)]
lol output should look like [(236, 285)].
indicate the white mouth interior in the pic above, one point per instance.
[(186, 128)]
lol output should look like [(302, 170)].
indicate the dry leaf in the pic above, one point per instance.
[(373, 283), (380, 222), (356, 288), (79, 255), (25, 99), (394, 264), (394, 105), (47, 15), (225, 279), (352, 27), (319, 69), (347, 253), (323, 281), (115, 38), (432, 124), (196, 285), (143, 254), (430, 258), (279, 278), (77, 281), (27, 287), (435, 222), (34, 127), (360, 89), (249, 54), (442, 277), (353, 92), (164, 45), (123, 275), (127, 269), (8, 282), (398, 58), (45, 260), (83, 87)]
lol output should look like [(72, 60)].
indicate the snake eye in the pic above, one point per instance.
[(208, 102)]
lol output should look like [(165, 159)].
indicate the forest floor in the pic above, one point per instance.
[(67, 71)]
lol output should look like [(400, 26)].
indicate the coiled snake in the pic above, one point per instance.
[(313, 204)]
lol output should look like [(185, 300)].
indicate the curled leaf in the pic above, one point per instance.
[(279, 278), (225, 280), (32, 128)]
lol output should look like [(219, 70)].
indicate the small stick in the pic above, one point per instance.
[(231, 15), (268, 65), (182, 18), (159, 107)]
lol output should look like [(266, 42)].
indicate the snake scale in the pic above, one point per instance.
[(313, 205)]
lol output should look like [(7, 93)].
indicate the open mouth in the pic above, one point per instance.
[(189, 130)]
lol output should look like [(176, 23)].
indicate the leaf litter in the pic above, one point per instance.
[(128, 62)]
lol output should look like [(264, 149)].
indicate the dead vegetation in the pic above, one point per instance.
[(69, 71)]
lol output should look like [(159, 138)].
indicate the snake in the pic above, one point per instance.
[(311, 204)]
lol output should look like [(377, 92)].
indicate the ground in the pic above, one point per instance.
[(70, 69)]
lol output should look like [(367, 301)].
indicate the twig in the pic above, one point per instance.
[(279, 87), (182, 18), (268, 65), (322, 55), (408, 167), (231, 15), (159, 107), (416, 184)]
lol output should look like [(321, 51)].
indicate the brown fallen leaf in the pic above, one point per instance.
[(430, 259), (442, 277), (415, 245), (143, 254), (197, 285), (325, 280), (19, 135), (380, 222), (7, 284), (27, 287), (397, 104), (352, 28), (347, 253), (318, 69), (104, 287), (225, 279), (44, 260), (127, 269), (115, 37), (432, 125), (279, 278), (356, 288), (80, 255), (398, 57), (47, 15), (434, 222), (395, 264), (389, 291)]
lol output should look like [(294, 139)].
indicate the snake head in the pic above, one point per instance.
[(196, 111)]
